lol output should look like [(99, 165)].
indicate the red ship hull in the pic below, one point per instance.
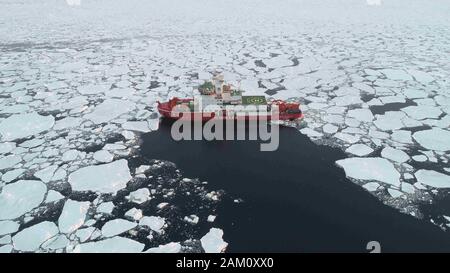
[(165, 109)]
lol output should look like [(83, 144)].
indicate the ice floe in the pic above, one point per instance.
[(155, 223), (31, 238), (421, 76), (6, 249), (5, 240), (359, 150), (364, 115), (24, 125), (422, 112), (140, 126), (20, 197), (371, 186), (12, 175), (395, 154), (434, 139), (408, 188), (167, 248), (433, 179), (396, 74), (371, 168), (106, 207), (7, 227), (193, 219), (134, 214), (110, 109), (6, 147), (139, 196), (110, 245), (116, 227), (53, 196), (46, 174), (84, 233), (73, 215), (390, 121), (212, 242), (9, 161), (105, 178), (103, 156), (57, 242), (395, 193), (330, 128)]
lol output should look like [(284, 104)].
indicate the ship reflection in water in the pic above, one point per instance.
[(295, 198)]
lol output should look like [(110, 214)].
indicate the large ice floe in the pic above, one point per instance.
[(212, 242), (378, 169), (24, 125), (20, 197), (76, 95), (105, 178)]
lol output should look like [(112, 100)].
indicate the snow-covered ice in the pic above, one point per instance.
[(359, 150), (371, 186), (104, 178), (361, 114), (8, 226), (212, 242), (134, 214), (373, 168), (167, 248), (9, 161), (46, 174), (72, 216), (116, 227), (103, 156), (106, 207), (155, 223), (24, 125), (140, 126), (434, 139), (20, 197), (53, 196), (139, 196), (394, 154), (110, 109), (30, 239), (111, 245), (433, 178)]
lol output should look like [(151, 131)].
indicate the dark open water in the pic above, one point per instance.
[(295, 199)]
